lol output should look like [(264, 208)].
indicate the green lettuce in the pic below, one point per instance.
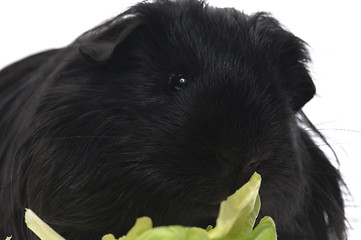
[(236, 219)]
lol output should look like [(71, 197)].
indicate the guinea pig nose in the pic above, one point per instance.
[(229, 157)]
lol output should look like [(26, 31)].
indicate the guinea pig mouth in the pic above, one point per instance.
[(205, 214)]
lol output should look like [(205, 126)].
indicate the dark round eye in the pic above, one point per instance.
[(177, 82)]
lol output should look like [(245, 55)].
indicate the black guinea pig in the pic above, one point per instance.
[(164, 111)]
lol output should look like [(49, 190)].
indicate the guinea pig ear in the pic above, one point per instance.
[(291, 56), (99, 44), (294, 74), (97, 52)]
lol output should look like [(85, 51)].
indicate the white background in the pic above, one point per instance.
[(331, 28)]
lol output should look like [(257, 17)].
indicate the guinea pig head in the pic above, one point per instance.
[(168, 110)]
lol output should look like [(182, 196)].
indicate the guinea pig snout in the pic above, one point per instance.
[(235, 168), (228, 158), (234, 162)]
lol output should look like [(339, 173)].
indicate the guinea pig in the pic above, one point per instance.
[(164, 111)]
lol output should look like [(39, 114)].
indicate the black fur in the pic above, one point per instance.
[(103, 131)]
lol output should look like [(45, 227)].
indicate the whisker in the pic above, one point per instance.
[(325, 144), (339, 129), (328, 122)]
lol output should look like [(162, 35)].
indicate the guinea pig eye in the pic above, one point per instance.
[(177, 82)]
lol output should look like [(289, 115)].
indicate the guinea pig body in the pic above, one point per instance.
[(164, 111)]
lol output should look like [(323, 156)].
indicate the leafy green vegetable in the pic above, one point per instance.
[(238, 213), (174, 232), (237, 216), (265, 230), (40, 228), (142, 225)]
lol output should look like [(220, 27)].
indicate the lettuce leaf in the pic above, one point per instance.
[(40, 228), (238, 213), (265, 230), (236, 219)]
